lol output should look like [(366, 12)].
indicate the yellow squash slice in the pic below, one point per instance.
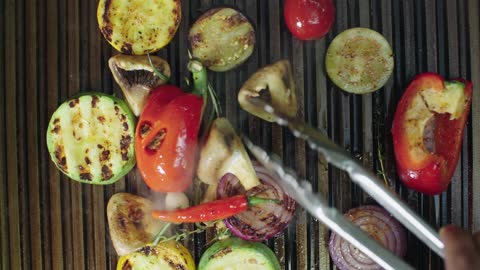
[(138, 26)]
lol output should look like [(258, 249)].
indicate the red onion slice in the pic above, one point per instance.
[(263, 221), (380, 225)]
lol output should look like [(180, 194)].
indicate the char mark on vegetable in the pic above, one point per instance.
[(127, 266), (235, 20), (86, 176), (73, 103), (95, 100), (221, 253), (107, 32), (174, 265), (196, 40), (106, 172), (125, 142), (105, 155), (157, 140), (127, 48)]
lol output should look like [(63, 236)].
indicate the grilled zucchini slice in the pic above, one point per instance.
[(90, 138), (165, 256), (236, 254), (359, 60), (139, 26), (222, 38)]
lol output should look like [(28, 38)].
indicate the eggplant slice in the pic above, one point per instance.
[(222, 39), (139, 26), (136, 77), (273, 84), (90, 138)]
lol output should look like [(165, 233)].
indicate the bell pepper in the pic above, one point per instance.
[(428, 129), (211, 211), (166, 137)]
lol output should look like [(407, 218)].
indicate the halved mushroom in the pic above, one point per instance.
[(130, 222), (274, 84), (224, 153), (136, 77)]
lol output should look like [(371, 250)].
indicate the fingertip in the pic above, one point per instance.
[(448, 230)]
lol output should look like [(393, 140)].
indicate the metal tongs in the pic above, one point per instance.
[(369, 182)]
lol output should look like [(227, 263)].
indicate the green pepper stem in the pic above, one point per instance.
[(252, 201), (161, 234), (200, 78)]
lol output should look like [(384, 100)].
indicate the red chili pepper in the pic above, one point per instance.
[(210, 211), (167, 134), (426, 162)]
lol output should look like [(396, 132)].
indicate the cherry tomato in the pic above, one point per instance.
[(166, 138), (309, 19)]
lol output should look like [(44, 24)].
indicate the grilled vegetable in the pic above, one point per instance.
[(136, 77), (167, 133), (212, 211), (380, 225), (165, 256), (130, 224), (223, 153), (90, 138), (275, 85), (236, 254), (359, 60), (138, 26), (263, 221), (222, 38), (428, 130)]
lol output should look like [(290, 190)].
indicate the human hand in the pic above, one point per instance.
[(462, 250)]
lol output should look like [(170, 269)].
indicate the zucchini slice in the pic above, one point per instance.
[(165, 256), (234, 253), (222, 38), (90, 138), (138, 26), (359, 60)]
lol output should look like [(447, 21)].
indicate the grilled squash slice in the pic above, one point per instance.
[(165, 256), (90, 138), (138, 26)]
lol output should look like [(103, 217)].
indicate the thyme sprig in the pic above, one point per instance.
[(183, 234)]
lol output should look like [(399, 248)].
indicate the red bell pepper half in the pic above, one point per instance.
[(166, 137), (428, 129)]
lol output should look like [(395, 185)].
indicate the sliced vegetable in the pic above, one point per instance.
[(165, 256), (138, 26), (275, 85), (136, 77), (90, 138), (428, 129), (222, 38), (309, 19), (234, 253), (380, 225), (359, 60), (167, 134), (260, 222), (130, 225), (212, 211), (222, 153)]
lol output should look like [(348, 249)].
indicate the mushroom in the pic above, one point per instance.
[(136, 77), (222, 153), (274, 84)]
